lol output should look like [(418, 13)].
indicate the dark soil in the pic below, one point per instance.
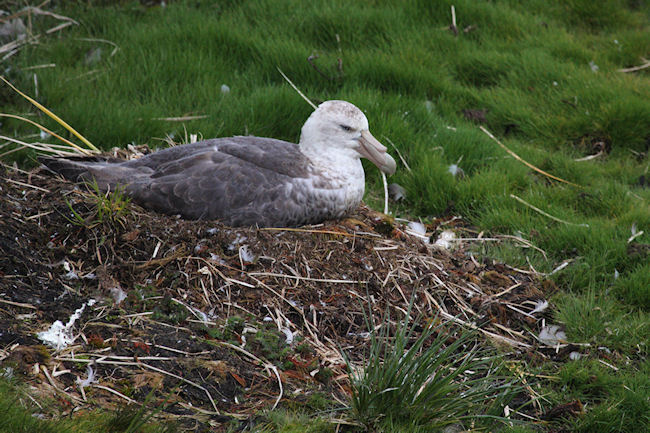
[(209, 309)]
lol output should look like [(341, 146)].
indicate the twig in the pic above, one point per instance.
[(25, 184), (53, 116), (38, 215), (111, 390), (383, 179), (297, 277), (38, 11), (275, 370), (398, 153), (58, 27), (115, 46), (181, 119), (47, 65), (241, 350), (507, 290), (151, 367), (608, 365), (518, 158), (18, 304), (296, 89), (453, 27), (43, 147), (56, 388), (589, 157), (311, 59), (547, 214), (526, 242), (326, 232), (562, 265), (637, 68)]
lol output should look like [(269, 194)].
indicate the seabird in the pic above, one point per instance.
[(247, 180)]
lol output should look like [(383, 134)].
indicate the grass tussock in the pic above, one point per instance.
[(413, 376)]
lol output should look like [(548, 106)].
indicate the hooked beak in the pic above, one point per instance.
[(374, 151)]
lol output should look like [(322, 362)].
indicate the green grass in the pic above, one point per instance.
[(106, 207), (414, 379), (526, 63), (20, 415)]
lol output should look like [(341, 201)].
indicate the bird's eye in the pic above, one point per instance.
[(346, 128)]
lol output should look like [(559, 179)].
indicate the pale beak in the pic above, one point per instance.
[(376, 152)]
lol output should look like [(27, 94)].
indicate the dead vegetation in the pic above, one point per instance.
[(218, 323)]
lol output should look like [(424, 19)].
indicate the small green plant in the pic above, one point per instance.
[(169, 311), (269, 342), (422, 381), (108, 207), (229, 331)]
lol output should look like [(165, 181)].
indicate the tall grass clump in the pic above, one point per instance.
[(422, 376)]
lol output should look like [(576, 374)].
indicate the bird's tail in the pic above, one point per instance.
[(73, 168)]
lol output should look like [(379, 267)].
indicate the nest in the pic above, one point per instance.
[(220, 322)]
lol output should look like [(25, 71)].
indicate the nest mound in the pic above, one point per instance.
[(218, 321)]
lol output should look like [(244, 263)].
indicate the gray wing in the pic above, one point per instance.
[(239, 180)]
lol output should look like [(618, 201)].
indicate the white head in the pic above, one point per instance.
[(341, 125)]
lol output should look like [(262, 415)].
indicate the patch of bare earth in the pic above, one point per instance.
[(220, 323)]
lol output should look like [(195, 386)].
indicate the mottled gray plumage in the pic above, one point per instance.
[(246, 181)]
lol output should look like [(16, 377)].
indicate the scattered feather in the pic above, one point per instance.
[(396, 192), (288, 335), (445, 240), (574, 356), (455, 170), (216, 258), (93, 56), (552, 335), (13, 30), (89, 380), (594, 67), (118, 294), (417, 227), (418, 230), (59, 336), (540, 306), (225, 89), (70, 274), (239, 239), (635, 233), (246, 255), (562, 266)]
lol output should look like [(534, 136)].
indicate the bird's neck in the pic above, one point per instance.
[(340, 162)]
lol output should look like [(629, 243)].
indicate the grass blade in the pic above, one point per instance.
[(52, 115), (44, 129)]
